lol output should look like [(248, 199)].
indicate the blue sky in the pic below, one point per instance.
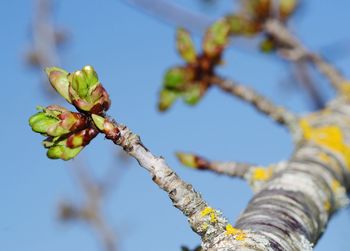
[(131, 51)]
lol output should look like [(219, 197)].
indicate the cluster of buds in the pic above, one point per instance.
[(69, 132), (193, 79), (80, 88), (249, 21)]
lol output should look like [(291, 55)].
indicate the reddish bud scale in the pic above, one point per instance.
[(100, 105), (112, 132), (203, 68), (81, 120), (201, 163), (86, 135)]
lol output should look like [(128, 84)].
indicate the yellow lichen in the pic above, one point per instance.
[(204, 226), (213, 218), (261, 174), (345, 89), (336, 185), (206, 211), (330, 136), (325, 158), (239, 234), (211, 212), (327, 206)]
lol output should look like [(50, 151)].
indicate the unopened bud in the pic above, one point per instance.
[(59, 81)]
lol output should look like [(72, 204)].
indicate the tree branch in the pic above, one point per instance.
[(255, 175), (293, 49), (262, 104)]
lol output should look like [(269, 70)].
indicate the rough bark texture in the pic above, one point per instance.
[(291, 208)]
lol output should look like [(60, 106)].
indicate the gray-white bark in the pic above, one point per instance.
[(290, 211)]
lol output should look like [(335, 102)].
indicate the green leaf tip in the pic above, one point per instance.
[(63, 152), (59, 80), (187, 159), (185, 46), (87, 93), (192, 95), (57, 121), (166, 99), (98, 121), (216, 37)]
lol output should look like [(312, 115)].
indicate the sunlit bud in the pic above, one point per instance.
[(193, 161), (193, 94), (59, 81), (216, 38), (166, 99), (107, 127), (81, 138), (175, 78), (187, 159), (87, 93), (57, 121), (63, 152), (185, 45), (287, 7)]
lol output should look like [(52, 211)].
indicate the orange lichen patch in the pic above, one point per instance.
[(211, 212), (261, 174), (239, 234), (330, 136)]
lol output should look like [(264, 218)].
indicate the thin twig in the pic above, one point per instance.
[(295, 51), (234, 169), (262, 104)]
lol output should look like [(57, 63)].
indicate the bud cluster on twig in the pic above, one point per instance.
[(69, 132)]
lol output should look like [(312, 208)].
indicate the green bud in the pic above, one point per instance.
[(287, 7), (90, 75), (193, 94), (175, 78), (40, 122), (63, 152), (79, 84), (68, 147), (187, 159), (57, 121), (98, 121), (185, 46), (59, 81), (236, 24), (166, 99), (87, 93), (216, 38)]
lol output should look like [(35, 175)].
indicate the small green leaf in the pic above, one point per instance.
[(90, 75), (193, 94), (59, 81), (287, 7), (79, 84), (185, 45), (166, 99), (187, 159), (40, 122), (216, 37), (98, 121), (63, 152), (175, 78)]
